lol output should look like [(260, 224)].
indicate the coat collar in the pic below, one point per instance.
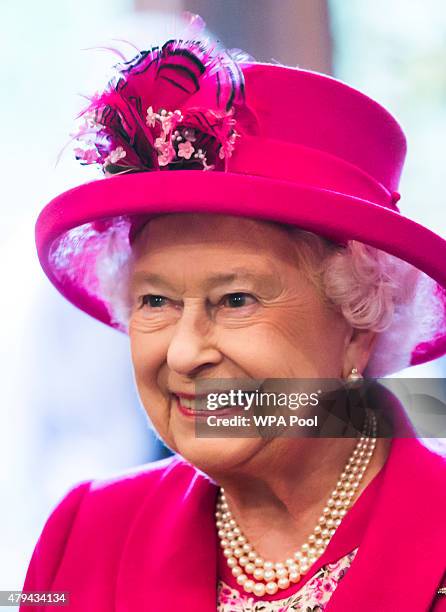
[(170, 557)]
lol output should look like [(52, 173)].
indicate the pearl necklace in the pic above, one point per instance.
[(259, 576)]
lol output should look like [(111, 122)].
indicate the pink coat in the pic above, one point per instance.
[(145, 540)]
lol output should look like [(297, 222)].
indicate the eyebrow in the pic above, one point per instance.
[(216, 280)]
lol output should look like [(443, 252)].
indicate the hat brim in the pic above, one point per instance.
[(331, 214)]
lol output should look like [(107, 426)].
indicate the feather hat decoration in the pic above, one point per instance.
[(170, 107)]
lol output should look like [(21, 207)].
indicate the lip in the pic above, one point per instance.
[(195, 395), (190, 395), (219, 391), (201, 413)]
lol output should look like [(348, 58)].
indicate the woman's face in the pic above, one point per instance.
[(217, 297)]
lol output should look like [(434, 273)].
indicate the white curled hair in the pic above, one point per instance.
[(372, 289)]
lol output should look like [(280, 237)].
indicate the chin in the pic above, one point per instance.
[(216, 455)]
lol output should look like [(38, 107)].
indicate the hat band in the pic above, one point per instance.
[(281, 160)]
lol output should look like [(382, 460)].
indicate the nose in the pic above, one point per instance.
[(191, 348)]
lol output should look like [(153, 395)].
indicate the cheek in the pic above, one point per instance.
[(148, 357), (291, 342), (148, 353)]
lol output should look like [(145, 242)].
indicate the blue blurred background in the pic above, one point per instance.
[(69, 409)]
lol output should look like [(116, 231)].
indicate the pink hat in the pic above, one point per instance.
[(188, 128)]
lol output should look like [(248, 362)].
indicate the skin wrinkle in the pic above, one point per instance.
[(287, 332)]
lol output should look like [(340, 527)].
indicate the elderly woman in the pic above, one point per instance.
[(247, 228)]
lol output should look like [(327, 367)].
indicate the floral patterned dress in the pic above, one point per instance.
[(312, 597)]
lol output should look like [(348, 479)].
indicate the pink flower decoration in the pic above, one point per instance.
[(186, 149), (165, 151), (151, 117), (89, 156)]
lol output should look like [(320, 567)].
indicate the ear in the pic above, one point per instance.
[(359, 346)]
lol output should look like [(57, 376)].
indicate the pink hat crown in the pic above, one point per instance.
[(313, 110)]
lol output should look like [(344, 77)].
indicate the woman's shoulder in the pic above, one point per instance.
[(102, 510), (124, 488), (141, 478)]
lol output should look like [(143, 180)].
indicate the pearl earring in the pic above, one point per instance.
[(354, 375)]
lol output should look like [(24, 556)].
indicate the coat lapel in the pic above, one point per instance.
[(170, 557)]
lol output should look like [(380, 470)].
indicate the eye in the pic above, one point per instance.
[(238, 300), (153, 301)]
